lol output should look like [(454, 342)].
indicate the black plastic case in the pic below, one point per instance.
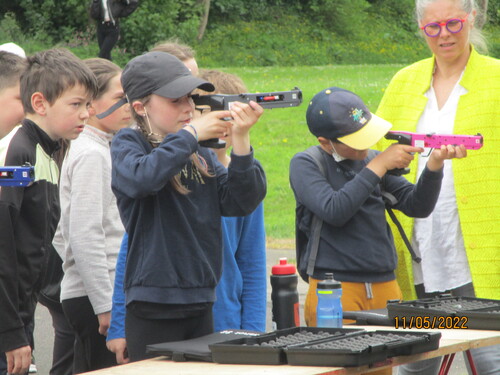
[(268, 349), (465, 312), (310, 346), (487, 318), (362, 348)]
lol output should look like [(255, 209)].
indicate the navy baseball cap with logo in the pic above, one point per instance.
[(157, 73), (339, 114)]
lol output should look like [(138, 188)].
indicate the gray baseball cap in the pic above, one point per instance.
[(157, 73)]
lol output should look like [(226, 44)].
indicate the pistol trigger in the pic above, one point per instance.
[(429, 153)]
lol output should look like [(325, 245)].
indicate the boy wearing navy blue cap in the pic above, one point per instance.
[(355, 242)]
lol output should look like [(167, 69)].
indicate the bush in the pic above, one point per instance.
[(10, 30), (58, 19), (223, 11), (293, 40), (345, 17), (264, 32), (155, 21)]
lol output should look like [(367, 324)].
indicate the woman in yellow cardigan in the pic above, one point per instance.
[(456, 91)]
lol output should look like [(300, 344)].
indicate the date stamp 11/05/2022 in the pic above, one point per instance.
[(431, 322)]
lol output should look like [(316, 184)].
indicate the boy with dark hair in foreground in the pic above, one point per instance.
[(56, 89)]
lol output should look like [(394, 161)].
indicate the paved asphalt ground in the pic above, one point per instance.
[(44, 334)]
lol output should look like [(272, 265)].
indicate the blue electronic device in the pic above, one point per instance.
[(17, 176)]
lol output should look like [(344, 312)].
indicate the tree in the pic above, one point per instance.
[(204, 18), (344, 17), (483, 10)]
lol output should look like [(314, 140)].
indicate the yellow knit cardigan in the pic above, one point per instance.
[(477, 177)]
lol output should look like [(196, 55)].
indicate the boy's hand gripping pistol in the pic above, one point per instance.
[(267, 100), (432, 141), (17, 176)]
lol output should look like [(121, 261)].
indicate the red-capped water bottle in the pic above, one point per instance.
[(284, 296)]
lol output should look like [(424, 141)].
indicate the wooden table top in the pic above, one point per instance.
[(452, 341)]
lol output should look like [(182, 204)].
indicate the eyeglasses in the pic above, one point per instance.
[(453, 25)]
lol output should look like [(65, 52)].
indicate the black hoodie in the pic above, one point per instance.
[(29, 217)]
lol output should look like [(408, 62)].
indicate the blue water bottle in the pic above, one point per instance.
[(329, 309)]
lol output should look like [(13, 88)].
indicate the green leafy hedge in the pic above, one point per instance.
[(257, 33)]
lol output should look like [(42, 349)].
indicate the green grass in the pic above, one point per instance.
[(281, 133)]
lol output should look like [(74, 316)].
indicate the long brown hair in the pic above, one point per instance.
[(104, 71), (198, 161)]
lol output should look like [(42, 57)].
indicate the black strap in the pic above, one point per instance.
[(317, 223), (389, 199), (113, 108)]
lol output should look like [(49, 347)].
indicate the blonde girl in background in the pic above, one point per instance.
[(241, 292)]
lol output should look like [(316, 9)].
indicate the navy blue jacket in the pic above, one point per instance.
[(175, 240), (356, 242)]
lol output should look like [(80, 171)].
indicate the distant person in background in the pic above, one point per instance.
[(107, 14), (241, 292), (456, 91)]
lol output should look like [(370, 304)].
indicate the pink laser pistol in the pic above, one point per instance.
[(431, 141), (471, 142)]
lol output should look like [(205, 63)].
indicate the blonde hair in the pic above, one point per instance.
[(225, 83), (174, 46), (198, 161)]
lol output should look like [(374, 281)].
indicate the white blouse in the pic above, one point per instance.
[(438, 238)]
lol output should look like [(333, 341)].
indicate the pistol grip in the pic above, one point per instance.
[(213, 143), (398, 171)]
